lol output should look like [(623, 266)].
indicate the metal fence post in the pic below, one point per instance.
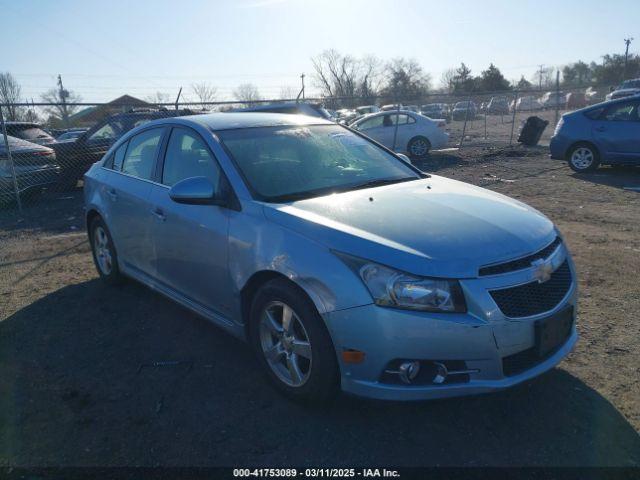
[(10, 159), (513, 118), (466, 117), (557, 96)]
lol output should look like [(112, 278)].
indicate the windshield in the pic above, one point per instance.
[(284, 164)]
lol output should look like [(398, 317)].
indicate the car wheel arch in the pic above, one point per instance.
[(587, 143), (262, 277)]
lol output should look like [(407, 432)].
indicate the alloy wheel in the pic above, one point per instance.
[(102, 250), (285, 344), (582, 158), (419, 148)]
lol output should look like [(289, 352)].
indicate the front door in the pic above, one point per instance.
[(191, 240)]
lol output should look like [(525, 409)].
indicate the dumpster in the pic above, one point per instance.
[(532, 131)]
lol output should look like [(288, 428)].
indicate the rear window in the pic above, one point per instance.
[(31, 133)]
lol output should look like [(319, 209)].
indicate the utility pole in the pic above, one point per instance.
[(63, 94), (301, 94), (627, 42), (540, 76)]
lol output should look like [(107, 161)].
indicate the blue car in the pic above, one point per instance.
[(342, 265), (604, 134)]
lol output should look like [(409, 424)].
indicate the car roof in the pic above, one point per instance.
[(236, 120)]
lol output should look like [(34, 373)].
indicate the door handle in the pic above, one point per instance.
[(159, 214), (112, 193)]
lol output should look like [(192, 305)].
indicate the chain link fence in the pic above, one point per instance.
[(52, 155)]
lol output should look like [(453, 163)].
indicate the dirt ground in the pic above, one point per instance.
[(78, 384)]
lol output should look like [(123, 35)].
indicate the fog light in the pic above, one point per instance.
[(408, 371)]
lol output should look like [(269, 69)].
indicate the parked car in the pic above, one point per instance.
[(76, 155), (604, 134), (294, 108), (70, 135), (525, 104), (498, 106), (464, 110), (367, 109), (416, 134), (553, 100), (626, 89), (436, 110), (394, 106), (593, 96), (340, 264), (346, 115), (34, 165), (29, 131), (576, 100)]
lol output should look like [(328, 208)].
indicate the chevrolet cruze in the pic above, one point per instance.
[(341, 264)]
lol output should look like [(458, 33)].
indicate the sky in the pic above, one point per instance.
[(107, 48)]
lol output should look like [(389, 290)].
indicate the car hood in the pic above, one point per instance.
[(433, 227)]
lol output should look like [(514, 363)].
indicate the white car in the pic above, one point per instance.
[(525, 104), (416, 134)]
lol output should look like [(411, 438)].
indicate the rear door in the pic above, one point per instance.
[(127, 189), (191, 240), (617, 131)]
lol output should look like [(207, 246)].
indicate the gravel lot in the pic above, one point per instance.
[(78, 385)]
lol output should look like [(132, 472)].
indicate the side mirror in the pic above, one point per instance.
[(404, 157), (196, 191)]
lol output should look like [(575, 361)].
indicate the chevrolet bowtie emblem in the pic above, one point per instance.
[(542, 270)]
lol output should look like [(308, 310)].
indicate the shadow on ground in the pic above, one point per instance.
[(78, 387), (623, 177)]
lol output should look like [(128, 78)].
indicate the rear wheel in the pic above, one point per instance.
[(292, 343), (583, 157), (419, 147), (104, 252)]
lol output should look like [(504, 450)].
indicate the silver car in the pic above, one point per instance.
[(342, 265)]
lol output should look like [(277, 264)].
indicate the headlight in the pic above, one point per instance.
[(393, 288)]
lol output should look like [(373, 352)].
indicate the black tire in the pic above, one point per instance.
[(111, 276), (323, 372), (422, 145), (583, 157)]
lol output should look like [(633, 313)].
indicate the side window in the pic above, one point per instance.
[(109, 131), (622, 112), (371, 123), (401, 118), (141, 154), (187, 156), (118, 156)]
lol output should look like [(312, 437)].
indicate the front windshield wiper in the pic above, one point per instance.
[(380, 182)]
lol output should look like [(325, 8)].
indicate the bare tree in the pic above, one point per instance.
[(60, 110), (447, 80), (287, 92), (247, 93), (338, 75), (10, 93), (205, 93), (158, 97)]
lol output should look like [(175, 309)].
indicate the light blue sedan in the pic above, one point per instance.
[(342, 265), (604, 134)]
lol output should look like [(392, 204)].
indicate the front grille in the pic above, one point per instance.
[(520, 263), (534, 298)]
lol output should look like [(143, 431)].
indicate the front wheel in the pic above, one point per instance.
[(583, 158), (292, 343), (419, 147)]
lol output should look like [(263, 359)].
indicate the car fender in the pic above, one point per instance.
[(258, 245)]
